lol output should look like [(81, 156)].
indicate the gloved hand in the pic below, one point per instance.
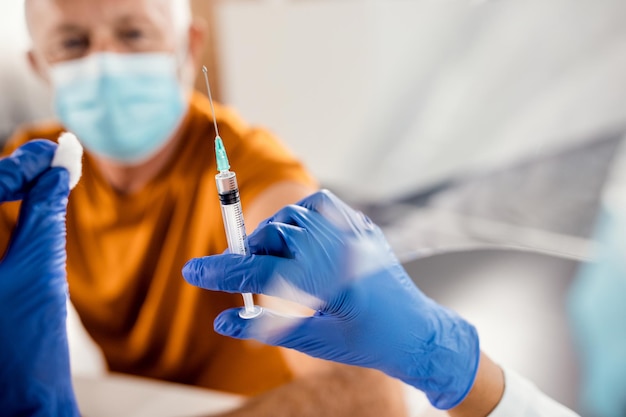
[(34, 360), (322, 254)]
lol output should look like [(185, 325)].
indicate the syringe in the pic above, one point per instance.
[(230, 202)]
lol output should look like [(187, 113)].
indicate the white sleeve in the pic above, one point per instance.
[(523, 399)]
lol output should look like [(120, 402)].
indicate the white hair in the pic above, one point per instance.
[(180, 12)]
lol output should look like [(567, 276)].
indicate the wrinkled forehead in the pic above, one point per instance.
[(44, 16)]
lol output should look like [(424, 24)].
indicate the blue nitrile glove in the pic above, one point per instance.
[(322, 254), (34, 359)]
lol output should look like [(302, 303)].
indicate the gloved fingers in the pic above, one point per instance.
[(308, 335), (325, 258), (273, 239), (234, 273), (49, 192), (338, 213), (289, 241), (269, 327), (42, 217), (320, 251), (328, 253), (25, 164), (312, 227), (365, 242), (257, 274)]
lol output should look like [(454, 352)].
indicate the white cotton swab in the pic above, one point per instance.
[(69, 155)]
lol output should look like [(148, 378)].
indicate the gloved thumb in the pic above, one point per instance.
[(47, 199)]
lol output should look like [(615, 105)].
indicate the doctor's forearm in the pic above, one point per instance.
[(342, 391)]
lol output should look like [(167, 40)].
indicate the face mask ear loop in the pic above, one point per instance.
[(182, 50), (182, 54)]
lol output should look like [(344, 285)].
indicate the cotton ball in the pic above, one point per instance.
[(69, 155)]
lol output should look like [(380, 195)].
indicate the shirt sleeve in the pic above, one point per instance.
[(523, 399), (261, 161)]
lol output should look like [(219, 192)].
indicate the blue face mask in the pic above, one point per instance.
[(123, 107)]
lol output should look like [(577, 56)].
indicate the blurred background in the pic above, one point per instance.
[(449, 122), (454, 124)]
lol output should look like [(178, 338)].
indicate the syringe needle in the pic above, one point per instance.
[(208, 88)]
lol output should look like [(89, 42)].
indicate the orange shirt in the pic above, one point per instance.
[(126, 252)]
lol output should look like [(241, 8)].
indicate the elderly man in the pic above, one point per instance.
[(121, 72)]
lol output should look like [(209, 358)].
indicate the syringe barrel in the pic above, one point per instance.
[(235, 229), (232, 213), (227, 187)]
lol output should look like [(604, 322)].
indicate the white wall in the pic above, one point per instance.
[(383, 97), (23, 97), (13, 29)]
